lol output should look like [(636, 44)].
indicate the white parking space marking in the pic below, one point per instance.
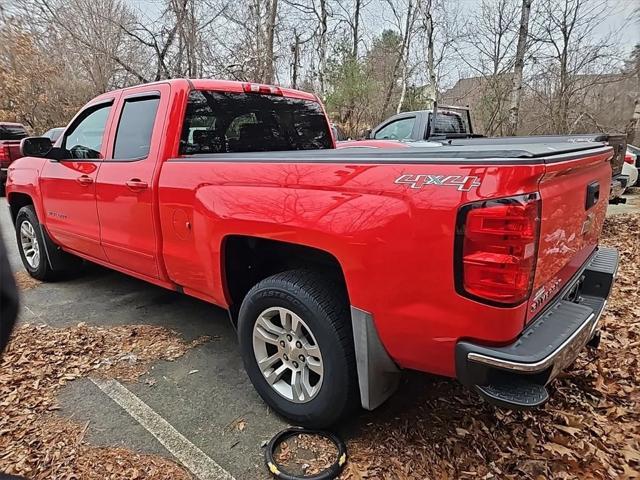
[(194, 459)]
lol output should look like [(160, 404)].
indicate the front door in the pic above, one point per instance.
[(68, 186), (125, 185)]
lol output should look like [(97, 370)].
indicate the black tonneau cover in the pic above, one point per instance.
[(618, 142), (489, 152)]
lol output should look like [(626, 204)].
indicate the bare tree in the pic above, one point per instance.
[(405, 19), (488, 50), (516, 89), (268, 44), (575, 59)]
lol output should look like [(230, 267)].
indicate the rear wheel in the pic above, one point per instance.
[(295, 335)]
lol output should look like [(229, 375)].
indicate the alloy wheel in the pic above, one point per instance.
[(288, 354), (29, 244)]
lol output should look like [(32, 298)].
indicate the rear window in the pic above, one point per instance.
[(12, 132), (219, 122), (450, 122)]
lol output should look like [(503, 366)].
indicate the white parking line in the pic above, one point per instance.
[(194, 459)]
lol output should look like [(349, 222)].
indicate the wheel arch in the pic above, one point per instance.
[(248, 259), (16, 201)]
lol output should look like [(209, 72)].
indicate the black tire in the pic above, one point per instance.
[(325, 310), (65, 263), (27, 218)]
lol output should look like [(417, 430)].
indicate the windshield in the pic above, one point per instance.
[(12, 132), (219, 122)]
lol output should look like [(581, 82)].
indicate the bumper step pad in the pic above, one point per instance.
[(516, 393), (515, 375)]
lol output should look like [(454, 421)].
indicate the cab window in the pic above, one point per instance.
[(133, 137), (84, 139), (227, 122), (397, 130)]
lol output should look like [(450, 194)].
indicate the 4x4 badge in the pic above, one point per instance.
[(464, 183)]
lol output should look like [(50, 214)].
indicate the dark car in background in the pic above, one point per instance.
[(10, 136)]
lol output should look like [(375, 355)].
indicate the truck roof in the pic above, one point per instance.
[(211, 84)]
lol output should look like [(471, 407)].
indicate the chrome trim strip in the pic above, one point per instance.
[(545, 362)]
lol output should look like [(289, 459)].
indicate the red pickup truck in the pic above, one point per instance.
[(10, 136), (339, 268)]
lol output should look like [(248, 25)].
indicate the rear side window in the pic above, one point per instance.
[(12, 132), (219, 122), (133, 137)]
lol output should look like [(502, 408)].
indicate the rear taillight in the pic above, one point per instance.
[(496, 249), (4, 155), (630, 158), (262, 89)]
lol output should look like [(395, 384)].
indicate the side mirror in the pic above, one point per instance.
[(368, 134), (35, 146)]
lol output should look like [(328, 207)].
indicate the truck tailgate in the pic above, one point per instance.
[(574, 192), (12, 149)]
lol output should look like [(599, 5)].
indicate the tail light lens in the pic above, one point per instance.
[(630, 158), (496, 249), (4, 155)]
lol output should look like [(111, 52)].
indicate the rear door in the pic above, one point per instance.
[(68, 186), (125, 184)]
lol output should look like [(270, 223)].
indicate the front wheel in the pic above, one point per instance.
[(31, 244), (33, 252), (295, 335)]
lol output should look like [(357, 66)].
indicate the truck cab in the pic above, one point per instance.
[(451, 122)]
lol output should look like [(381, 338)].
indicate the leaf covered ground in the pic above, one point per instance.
[(590, 428), (37, 443)]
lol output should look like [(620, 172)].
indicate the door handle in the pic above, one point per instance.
[(136, 185), (85, 180)]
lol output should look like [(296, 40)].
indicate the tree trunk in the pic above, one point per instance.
[(431, 67), (403, 91), (322, 48), (296, 59), (356, 29), (563, 125), (400, 58), (271, 27), (516, 90)]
